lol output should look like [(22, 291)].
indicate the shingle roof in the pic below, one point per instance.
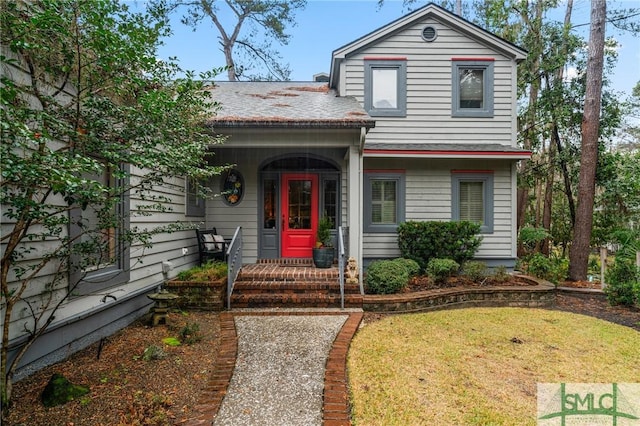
[(285, 104)]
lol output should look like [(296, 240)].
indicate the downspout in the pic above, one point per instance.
[(363, 137)]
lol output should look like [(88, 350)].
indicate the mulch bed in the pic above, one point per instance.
[(422, 283)]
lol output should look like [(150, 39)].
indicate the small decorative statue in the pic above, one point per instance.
[(352, 271)]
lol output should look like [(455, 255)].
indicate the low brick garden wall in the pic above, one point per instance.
[(204, 296), (541, 294)]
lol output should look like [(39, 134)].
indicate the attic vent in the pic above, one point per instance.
[(429, 33)]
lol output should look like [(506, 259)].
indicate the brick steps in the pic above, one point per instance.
[(284, 300), (291, 284), (289, 287)]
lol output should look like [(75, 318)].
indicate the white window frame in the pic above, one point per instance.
[(487, 66)]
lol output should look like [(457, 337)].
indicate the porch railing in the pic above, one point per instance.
[(342, 256), (234, 262)]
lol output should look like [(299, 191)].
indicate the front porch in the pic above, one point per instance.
[(291, 283)]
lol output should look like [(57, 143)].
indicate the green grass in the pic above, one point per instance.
[(461, 367)]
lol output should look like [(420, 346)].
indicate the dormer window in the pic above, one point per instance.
[(385, 92), (472, 88)]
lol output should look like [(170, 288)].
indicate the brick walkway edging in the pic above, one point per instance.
[(213, 394), (335, 398)]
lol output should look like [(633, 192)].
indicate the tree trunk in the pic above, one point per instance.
[(548, 198), (579, 254), (231, 66)]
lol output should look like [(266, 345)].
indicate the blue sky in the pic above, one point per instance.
[(325, 25)]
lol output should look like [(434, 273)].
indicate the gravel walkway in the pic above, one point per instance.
[(279, 372)]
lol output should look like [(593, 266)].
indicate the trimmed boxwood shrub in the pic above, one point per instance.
[(474, 270), (412, 267), (441, 269), (423, 241), (386, 277)]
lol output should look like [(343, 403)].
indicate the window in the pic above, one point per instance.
[(195, 203), (472, 88), (100, 256), (385, 89), (329, 200), (384, 201), (472, 199)]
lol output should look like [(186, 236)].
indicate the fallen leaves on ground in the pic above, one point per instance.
[(126, 389)]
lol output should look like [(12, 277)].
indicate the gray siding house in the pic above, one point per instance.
[(416, 122)]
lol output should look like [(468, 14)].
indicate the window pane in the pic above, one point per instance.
[(269, 203), (383, 201), (97, 226), (384, 88), (331, 200), (472, 202), (471, 88), (300, 204)]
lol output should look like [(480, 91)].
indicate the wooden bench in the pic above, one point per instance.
[(211, 246)]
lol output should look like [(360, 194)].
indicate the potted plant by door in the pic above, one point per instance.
[(323, 252)]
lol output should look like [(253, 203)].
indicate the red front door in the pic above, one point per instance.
[(299, 214)]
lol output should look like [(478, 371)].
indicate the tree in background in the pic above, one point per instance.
[(552, 105), (90, 117), (579, 254), (247, 29)]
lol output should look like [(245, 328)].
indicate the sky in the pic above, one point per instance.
[(326, 25)]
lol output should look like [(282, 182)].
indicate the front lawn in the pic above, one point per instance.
[(480, 366)]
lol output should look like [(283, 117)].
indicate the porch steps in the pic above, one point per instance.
[(291, 283)]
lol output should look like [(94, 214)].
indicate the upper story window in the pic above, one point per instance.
[(472, 88), (472, 198), (385, 87)]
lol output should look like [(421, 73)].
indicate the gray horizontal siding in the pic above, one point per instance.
[(429, 83), (428, 198), (145, 274)]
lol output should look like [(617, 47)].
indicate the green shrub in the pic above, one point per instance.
[(529, 237), (153, 352), (190, 333), (412, 267), (210, 271), (623, 283), (474, 270), (441, 269), (500, 274), (539, 265), (423, 241), (386, 277)]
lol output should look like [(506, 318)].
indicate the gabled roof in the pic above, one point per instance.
[(285, 104), (429, 11)]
